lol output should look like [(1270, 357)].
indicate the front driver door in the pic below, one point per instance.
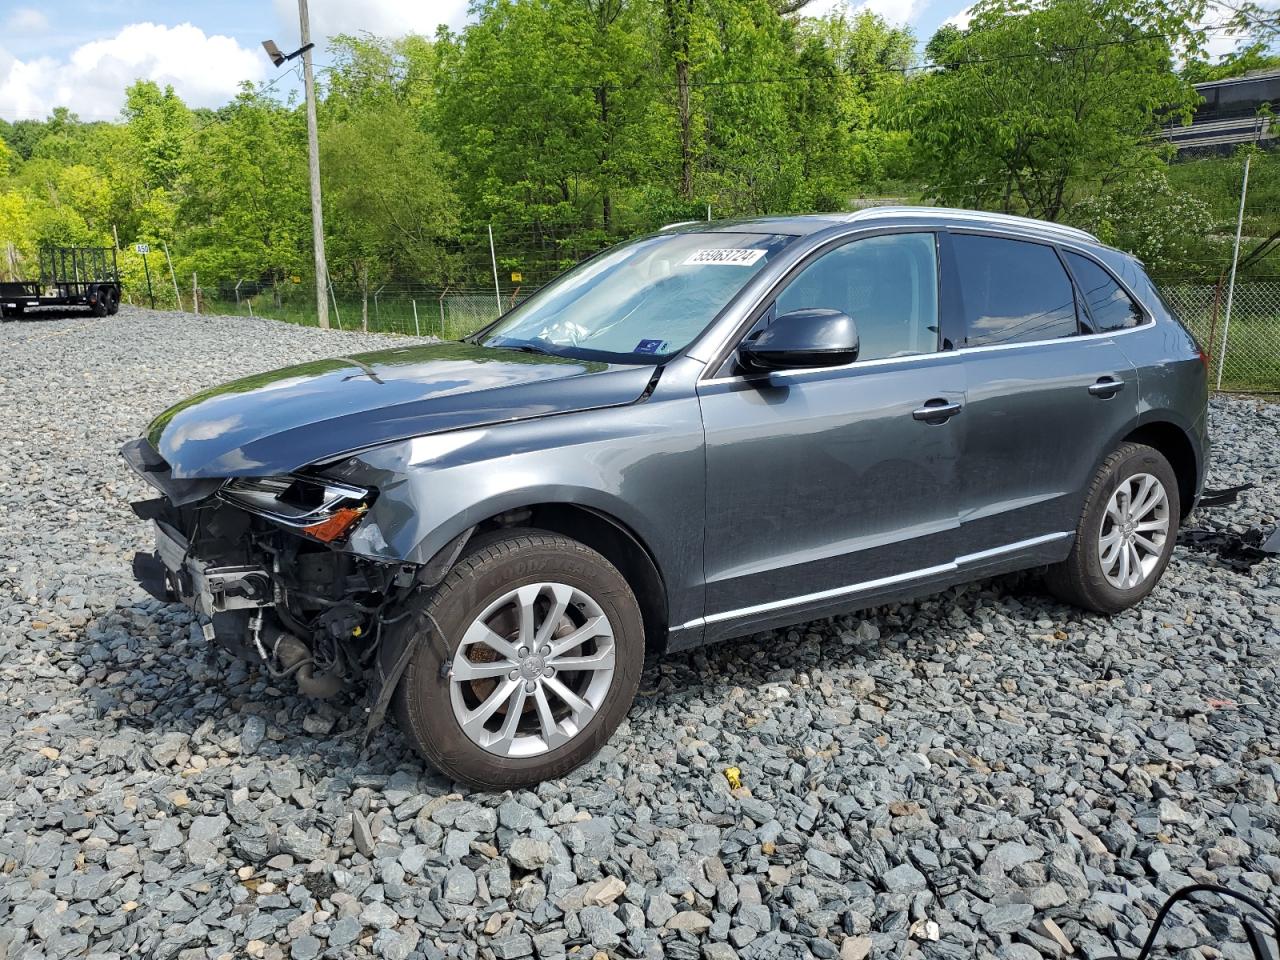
[(826, 487)]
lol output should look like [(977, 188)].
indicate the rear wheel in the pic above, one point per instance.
[(533, 649), (1125, 535), (101, 303), (113, 302)]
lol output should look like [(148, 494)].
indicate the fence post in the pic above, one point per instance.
[(1235, 257), (497, 291), (172, 276), (1213, 317), (442, 293), (195, 294), (238, 282), (334, 298), (250, 302), (416, 331)]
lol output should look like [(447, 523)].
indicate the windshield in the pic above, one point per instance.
[(639, 302)]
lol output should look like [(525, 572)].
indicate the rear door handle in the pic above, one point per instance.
[(1106, 387), (936, 411)]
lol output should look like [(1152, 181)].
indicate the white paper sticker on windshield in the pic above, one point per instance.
[(726, 257)]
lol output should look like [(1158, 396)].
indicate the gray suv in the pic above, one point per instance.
[(708, 432)]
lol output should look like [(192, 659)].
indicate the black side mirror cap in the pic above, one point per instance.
[(812, 337)]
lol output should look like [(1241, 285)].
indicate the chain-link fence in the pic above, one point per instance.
[(410, 309), (1251, 362)]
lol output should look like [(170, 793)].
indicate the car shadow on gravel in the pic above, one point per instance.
[(205, 695)]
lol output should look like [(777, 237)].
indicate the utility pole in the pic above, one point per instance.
[(313, 162)]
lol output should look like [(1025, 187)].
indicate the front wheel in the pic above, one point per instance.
[(1125, 535), (529, 656)]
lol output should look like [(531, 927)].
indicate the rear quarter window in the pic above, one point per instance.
[(1109, 307), (1012, 291)]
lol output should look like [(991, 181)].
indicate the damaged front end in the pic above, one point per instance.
[(261, 560)]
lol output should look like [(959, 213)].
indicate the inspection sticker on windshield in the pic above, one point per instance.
[(651, 346), (725, 257)]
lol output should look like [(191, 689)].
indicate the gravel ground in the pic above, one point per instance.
[(982, 774)]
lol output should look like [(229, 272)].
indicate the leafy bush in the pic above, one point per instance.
[(1172, 232)]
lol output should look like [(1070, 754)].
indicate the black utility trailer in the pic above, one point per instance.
[(69, 277)]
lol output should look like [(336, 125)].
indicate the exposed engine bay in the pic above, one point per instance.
[(301, 608), (260, 559)]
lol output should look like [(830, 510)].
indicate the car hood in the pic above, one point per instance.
[(281, 421)]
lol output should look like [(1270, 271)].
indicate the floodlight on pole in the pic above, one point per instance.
[(279, 57)]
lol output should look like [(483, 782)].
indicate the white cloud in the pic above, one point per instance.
[(961, 19), (26, 20), (206, 71), (382, 18), (894, 11)]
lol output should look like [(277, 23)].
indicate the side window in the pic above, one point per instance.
[(887, 284), (1013, 291), (1110, 307)]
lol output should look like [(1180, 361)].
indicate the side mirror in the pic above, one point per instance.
[(813, 337)]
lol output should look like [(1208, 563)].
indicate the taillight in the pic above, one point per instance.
[(1204, 359)]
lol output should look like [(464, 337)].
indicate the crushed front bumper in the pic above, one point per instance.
[(172, 574)]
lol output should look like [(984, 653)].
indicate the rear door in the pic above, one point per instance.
[(1046, 395)]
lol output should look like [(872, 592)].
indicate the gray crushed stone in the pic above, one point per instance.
[(985, 773)]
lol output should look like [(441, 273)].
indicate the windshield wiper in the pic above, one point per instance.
[(524, 346)]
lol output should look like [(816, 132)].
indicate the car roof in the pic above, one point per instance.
[(888, 216)]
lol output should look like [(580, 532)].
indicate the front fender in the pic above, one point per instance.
[(643, 465)]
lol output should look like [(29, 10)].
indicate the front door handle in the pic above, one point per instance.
[(936, 411), (1106, 387)]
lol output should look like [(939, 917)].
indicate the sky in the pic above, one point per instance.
[(83, 54)]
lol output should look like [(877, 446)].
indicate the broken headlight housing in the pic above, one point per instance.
[(324, 510)]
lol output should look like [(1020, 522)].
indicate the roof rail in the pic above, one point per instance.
[(978, 216)]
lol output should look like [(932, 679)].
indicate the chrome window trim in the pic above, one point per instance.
[(916, 358), (866, 586), (720, 354)]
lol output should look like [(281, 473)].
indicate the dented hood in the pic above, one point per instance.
[(281, 421)]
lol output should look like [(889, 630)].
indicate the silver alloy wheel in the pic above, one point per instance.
[(532, 669), (1134, 530)]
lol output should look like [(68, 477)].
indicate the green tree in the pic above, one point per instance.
[(1042, 99), (159, 128), (1170, 230), (938, 51), (244, 207), (389, 205), (1258, 55), (855, 62)]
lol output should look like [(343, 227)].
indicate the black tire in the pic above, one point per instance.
[(422, 702), (1080, 579), (113, 303), (102, 303)]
